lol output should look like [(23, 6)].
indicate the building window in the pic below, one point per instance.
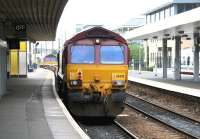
[(169, 49), (153, 58), (162, 15), (195, 5), (148, 19), (167, 12), (188, 60), (183, 61), (180, 8), (157, 16), (188, 7), (172, 11), (153, 17)]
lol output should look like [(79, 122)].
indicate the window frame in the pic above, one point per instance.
[(124, 55), (70, 53)]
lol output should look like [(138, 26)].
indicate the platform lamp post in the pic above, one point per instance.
[(52, 46), (30, 56), (45, 48), (58, 44), (139, 61), (35, 54), (156, 57), (41, 50), (133, 64)]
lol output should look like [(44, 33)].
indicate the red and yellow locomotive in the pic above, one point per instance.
[(92, 74)]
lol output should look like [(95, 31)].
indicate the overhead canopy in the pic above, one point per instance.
[(40, 18), (185, 23)]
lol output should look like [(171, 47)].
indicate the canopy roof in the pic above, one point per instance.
[(40, 17), (185, 23)]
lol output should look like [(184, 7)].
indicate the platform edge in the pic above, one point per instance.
[(67, 114)]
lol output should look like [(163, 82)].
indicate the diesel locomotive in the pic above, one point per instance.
[(92, 73)]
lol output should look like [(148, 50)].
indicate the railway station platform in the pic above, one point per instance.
[(32, 110), (186, 85)]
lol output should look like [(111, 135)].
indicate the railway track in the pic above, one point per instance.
[(125, 130), (112, 130), (169, 118)]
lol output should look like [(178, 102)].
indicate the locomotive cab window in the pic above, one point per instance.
[(112, 55), (82, 54)]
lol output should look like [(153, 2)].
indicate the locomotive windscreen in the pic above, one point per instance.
[(82, 54), (112, 55)]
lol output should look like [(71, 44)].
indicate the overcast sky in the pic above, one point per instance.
[(110, 13)]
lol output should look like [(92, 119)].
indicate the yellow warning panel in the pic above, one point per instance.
[(14, 62), (23, 46)]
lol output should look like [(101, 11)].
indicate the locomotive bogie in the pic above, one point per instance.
[(95, 105)]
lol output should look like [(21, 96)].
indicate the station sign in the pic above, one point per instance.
[(20, 27), (20, 30)]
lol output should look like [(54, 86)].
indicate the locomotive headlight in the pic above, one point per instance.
[(97, 41), (74, 82), (119, 83)]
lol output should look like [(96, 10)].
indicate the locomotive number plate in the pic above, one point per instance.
[(118, 76)]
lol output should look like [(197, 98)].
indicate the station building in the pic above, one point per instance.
[(130, 25), (171, 8), (153, 46), (171, 37)]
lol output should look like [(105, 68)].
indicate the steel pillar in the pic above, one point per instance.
[(177, 60), (196, 56), (164, 53), (139, 61), (3, 70), (30, 54)]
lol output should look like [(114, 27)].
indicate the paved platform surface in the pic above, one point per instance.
[(30, 110), (186, 85)]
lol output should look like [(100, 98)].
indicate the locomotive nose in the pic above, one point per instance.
[(103, 89)]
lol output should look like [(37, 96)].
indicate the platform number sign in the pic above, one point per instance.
[(20, 27)]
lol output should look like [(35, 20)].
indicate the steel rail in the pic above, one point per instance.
[(178, 122), (125, 130)]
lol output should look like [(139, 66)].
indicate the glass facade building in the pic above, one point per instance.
[(169, 10)]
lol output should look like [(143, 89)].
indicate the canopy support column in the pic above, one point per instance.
[(177, 60), (196, 57), (164, 53)]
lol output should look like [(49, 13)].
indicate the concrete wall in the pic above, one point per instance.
[(3, 70)]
